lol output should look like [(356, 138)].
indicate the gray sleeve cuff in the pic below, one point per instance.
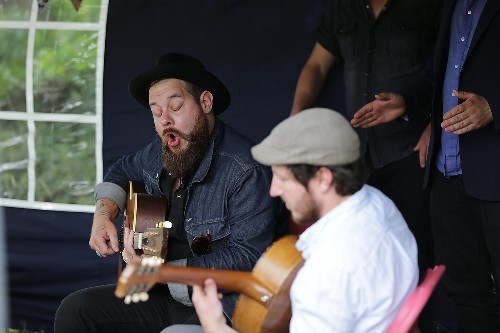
[(112, 192), (179, 291)]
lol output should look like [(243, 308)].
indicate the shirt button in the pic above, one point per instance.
[(462, 39), (456, 66), (469, 12)]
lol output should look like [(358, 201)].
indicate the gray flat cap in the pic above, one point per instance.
[(316, 136)]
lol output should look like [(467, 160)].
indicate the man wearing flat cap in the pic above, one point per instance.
[(360, 257), (205, 171)]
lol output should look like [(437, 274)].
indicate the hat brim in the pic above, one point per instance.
[(139, 86)]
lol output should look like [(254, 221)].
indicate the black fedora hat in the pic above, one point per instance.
[(182, 67)]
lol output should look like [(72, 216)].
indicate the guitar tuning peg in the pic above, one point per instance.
[(164, 224), (136, 298), (144, 296), (128, 299)]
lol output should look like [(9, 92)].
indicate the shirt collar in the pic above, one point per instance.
[(316, 232)]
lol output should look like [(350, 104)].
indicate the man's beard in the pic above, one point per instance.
[(309, 212), (186, 161)]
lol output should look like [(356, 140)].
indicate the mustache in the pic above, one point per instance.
[(176, 133)]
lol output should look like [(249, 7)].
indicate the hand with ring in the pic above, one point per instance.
[(128, 253)]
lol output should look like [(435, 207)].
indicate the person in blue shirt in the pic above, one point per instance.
[(463, 160), (206, 172)]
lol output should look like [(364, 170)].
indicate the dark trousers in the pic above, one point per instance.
[(97, 309), (466, 235), (402, 182)]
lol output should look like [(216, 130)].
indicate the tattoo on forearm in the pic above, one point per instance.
[(99, 205), (105, 212)]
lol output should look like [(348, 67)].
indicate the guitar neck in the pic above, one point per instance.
[(236, 281), (240, 282)]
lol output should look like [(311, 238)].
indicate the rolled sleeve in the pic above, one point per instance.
[(111, 191)]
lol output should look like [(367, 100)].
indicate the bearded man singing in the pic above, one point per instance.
[(206, 172)]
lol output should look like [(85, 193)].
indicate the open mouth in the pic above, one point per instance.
[(173, 140)]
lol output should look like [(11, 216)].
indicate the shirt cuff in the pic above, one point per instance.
[(111, 191)]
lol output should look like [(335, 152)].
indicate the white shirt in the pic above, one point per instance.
[(360, 266)]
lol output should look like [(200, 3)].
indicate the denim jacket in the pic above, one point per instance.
[(228, 196)]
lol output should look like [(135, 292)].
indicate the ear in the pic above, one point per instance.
[(206, 101), (324, 178)]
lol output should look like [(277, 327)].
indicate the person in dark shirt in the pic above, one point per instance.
[(380, 45), (205, 170)]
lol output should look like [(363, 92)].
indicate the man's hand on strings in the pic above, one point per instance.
[(103, 236)]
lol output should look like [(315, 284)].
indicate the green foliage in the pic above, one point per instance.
[(65, 169), (14, 159), (18, 10), (64, 71), (64, 82), (63, 11), (13, 69)]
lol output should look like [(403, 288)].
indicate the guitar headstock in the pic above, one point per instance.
[(137, 279)]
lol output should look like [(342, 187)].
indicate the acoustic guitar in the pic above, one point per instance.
[(145, 216), (264, 302)]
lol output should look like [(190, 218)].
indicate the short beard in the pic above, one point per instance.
[(186, 161), (310, 217), (310, 213)]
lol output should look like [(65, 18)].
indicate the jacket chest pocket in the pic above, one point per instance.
[(346, 38)]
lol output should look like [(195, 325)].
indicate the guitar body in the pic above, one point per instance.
[(264, 302), (152, 210), (276, 269), (145, 216)]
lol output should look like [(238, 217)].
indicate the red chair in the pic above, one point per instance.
[(406, 319)]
